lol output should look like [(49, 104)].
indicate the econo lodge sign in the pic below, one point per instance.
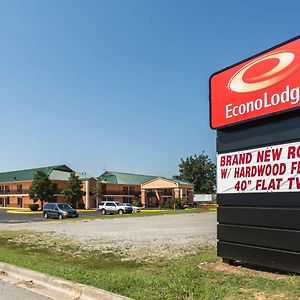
[(265, 84)]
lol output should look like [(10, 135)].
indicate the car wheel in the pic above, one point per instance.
[(103, 212), (46, 216), (121, 212), (60, 216)]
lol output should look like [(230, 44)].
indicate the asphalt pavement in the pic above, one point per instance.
[(12, 292), (19, 218), (24, 218)]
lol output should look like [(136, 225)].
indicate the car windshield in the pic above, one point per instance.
[(64, 206)]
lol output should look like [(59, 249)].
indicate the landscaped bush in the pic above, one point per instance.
[(177, 201), (81, 205), (169, 203), (136, 201), (34, 207)]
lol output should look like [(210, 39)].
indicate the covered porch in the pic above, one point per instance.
[(156, 192)]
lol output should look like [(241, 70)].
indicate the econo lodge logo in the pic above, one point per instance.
[(263, 85), (285, 65)]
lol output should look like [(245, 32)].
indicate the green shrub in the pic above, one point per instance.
[(136, 201), (81, 205), (177, 201), (169, 203), (34, 207)]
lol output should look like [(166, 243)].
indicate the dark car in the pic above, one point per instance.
[(59, 210)]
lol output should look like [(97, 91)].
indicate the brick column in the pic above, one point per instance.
[(87, 194), (143, 198), (176, 193)]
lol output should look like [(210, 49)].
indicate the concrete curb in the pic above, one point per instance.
[(53, 287), (29, 212), (23, 212)]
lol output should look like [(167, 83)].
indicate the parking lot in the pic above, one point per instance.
[(24, 217), (135, 237)]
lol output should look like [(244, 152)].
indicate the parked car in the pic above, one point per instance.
[(135, 209), (59, 210), (112, 207)]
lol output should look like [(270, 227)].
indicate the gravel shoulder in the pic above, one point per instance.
[(167, 236)]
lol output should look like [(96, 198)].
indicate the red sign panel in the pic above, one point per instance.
[(262, 85)]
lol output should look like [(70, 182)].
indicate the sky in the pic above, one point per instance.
[(122, 85)]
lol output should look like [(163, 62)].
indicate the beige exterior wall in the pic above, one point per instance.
[(9, 196), (162, 189), (117, 189), (121, 192)]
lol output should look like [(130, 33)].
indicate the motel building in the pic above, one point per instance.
[(152, 191), (14, 186)]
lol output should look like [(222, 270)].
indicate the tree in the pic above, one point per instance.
[(41, 188), (98, 192), (200, 170), (73, 191)]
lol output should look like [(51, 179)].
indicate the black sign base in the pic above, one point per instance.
[(262, 229)]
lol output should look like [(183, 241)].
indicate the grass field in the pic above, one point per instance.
[(163, 279)]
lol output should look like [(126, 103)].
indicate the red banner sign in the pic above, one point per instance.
[(265, 84)]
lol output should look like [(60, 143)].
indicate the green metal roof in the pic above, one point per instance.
[(26, 175), (61, 172), (181, 181), (129, 178), (83, 176), (63, 175), (124, 178)]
